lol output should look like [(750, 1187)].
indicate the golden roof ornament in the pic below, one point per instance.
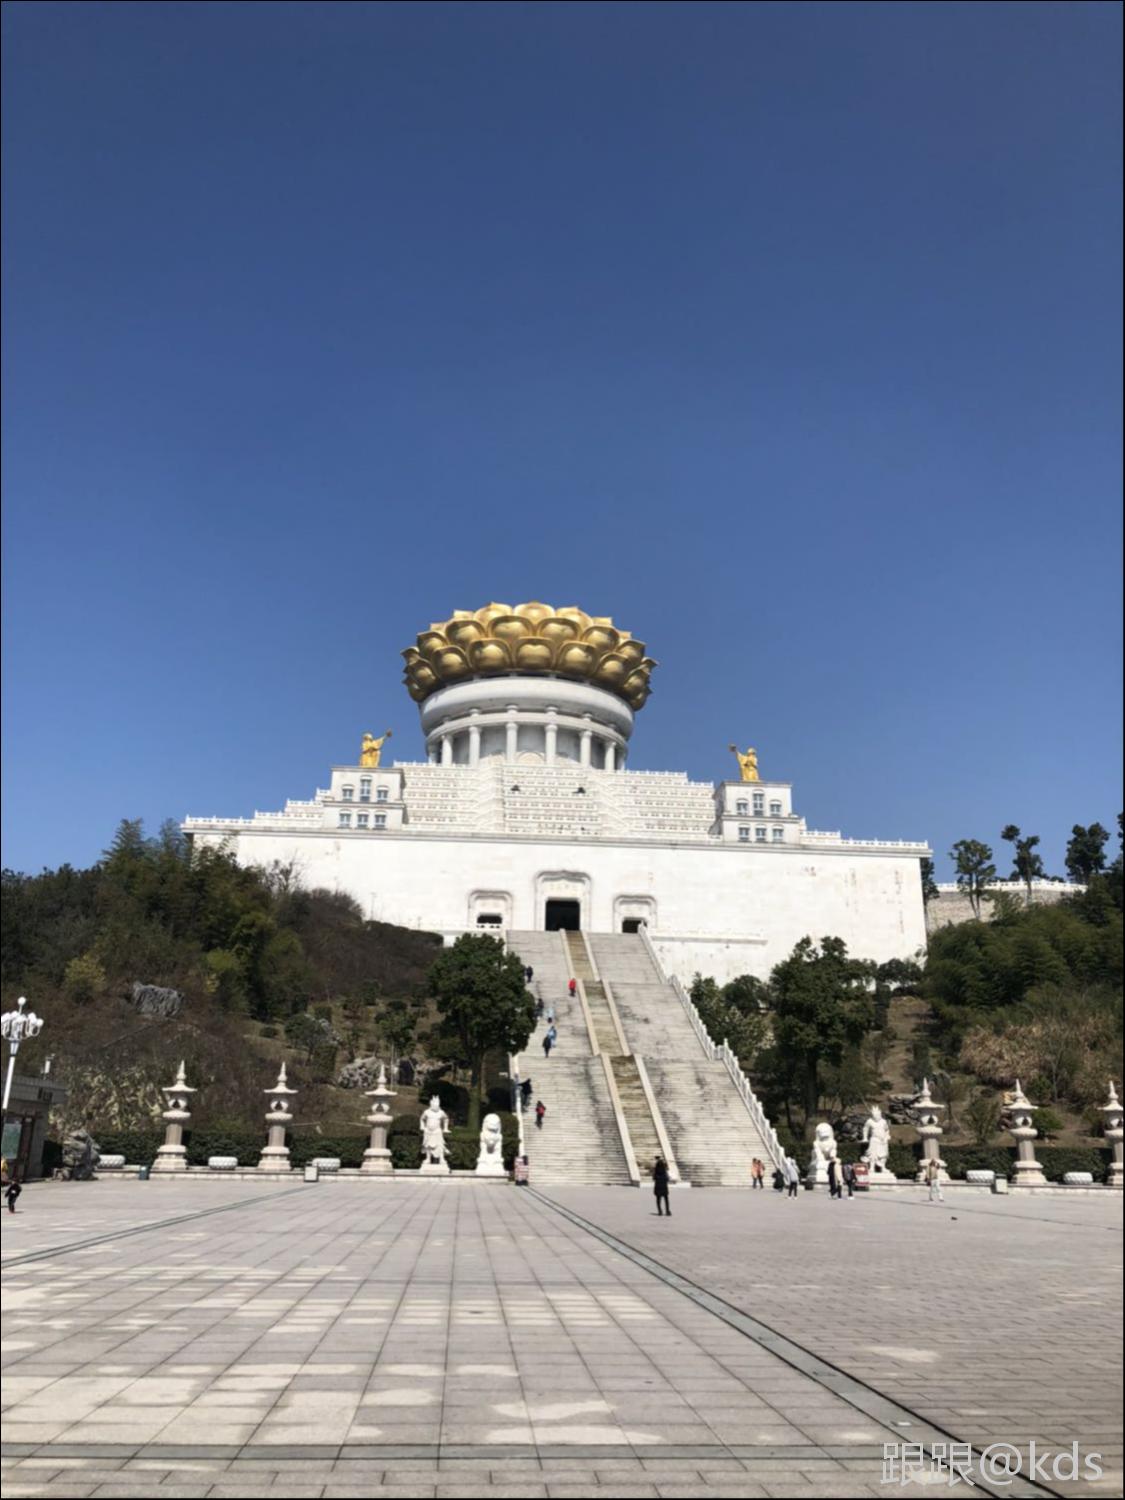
[(532, 638)]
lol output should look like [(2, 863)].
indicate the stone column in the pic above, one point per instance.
[(610, 756), (377, 1157), (172, 1156), (511, 737), (447, 749), (585, 739), (432, 752), (474, 741), (275, 1154), (930, 1131), (1111, 1109), (551, 737), (1028, 1171)]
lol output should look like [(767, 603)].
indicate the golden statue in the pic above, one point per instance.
[(371, 749), (748, 763)]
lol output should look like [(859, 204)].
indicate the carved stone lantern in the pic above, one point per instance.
[(275, 1153), (1111, 1109), (172, 1156), (377, 1157), (1028, 1171), (930, 1131)]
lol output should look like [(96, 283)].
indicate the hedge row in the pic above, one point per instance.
[(1055, 1160), (404, 1140)]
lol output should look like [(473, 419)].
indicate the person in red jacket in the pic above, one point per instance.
[(540, 1111)]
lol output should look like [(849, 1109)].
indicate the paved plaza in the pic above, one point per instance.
[(406, 1338)]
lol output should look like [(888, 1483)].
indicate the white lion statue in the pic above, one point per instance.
[(823, 1151), (490, 1161)]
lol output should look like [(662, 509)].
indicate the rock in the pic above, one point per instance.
[(81, 1154), (152, 1000), (360, 1073)]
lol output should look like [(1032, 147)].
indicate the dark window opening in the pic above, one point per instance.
[(631, 924), (564, 916)]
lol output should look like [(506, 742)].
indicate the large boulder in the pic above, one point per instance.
[(153, 1000), (80, 1154), (360, 1073)]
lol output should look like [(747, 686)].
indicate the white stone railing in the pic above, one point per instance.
[(722, 1054), (819, 836), (950, 887)]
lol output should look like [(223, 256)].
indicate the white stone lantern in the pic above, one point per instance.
[(1112, 1130), (275, 1154), (1028, 1171), (172, 1156), (930, 1131), (377, 1157)]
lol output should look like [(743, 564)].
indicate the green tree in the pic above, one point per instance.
[(983, 1117), (1085, 852), (484, 1004), (397, 1025), (85, 979), (1026, 864), (930, 891), (822, 1002), (975, 871)]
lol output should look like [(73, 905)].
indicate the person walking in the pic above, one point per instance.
[(848, 1174), (540, 1111), (835, 1187), (529, 974), (525, 1093), (550, 1038), (573, 988), (933, 1180), (13, 1190), (539, 1009), (758, 1174), (792, 1176), (660, 1187)]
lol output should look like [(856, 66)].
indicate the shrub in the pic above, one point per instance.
[(305, 1146), (136, 1146), (268, 1031), (226, 1140), (84, 979), (1057, 1160), (405, 1142)]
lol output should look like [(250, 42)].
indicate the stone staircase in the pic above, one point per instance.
[(600, 1014), (579, 1141)]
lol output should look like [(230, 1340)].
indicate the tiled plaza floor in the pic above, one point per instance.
[(401, 1338)]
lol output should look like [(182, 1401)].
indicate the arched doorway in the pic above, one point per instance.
[(563, 916)]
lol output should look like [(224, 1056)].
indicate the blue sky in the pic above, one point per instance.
[(787, 335)]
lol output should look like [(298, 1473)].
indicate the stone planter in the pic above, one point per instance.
[(1078, 1179), (326, 1163), (982, 1175), (222, 1163), (110, 1163)]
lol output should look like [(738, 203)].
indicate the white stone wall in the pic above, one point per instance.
[(720, 908)]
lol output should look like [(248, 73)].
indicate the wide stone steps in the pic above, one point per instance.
[(711, 1131), (638, 1116), (579, 1141)]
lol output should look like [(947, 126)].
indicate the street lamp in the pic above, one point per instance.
[(15, 1025)]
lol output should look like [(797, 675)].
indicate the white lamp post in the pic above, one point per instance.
[(15, 1025)]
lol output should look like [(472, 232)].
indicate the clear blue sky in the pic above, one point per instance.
[(787, 335)]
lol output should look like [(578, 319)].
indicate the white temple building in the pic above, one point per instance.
[(526, 817)]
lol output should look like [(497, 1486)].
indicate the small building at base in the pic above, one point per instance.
[(526, 816)]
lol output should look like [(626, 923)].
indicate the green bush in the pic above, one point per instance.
[(225, 1140), (962, 1159), (405, 1142), (136, 1146), (1055, 1160), (304, 1147), (269, 1031)]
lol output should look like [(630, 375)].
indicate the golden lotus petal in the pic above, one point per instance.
[(491, 612), (576, 659), (465, 631), (534, 612), (451, 662), (510, 628), (635, 682), (554, 628), (579, 616), (611, 670), (490, 656), (632, 650), (601, 635), (431, 643), (534, 655)]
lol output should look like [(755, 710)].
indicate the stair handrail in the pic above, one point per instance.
[(619, 1119), (580, 991), (607, 992), (723, 1054)]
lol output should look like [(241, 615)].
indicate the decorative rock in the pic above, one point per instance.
[(360, 1073), (326, 1163), (1113, 1132), (1028, 1171), (154, 1000), (490, 1161), (983, 1175), (110, 1163), (80, 1153), (1078, 1179), (172, 1156), (222, 1163), (275, 1153)]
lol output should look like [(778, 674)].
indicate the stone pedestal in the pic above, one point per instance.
[(377, 1158), (275, 1153), (930, 1132), (1028, 1171), (1111, 1109), (172, 1156)]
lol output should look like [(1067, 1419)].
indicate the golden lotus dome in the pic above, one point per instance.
[(499, 640)]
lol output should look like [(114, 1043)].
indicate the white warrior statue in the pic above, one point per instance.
[(877, 1140), (435, 1124), (490, 1161)]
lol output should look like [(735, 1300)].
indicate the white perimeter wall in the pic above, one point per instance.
[(723, 910)]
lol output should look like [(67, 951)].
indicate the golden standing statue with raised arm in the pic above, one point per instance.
[(748, 763), (371, 749)]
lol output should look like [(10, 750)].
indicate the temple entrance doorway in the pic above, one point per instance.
[(564, 916)]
